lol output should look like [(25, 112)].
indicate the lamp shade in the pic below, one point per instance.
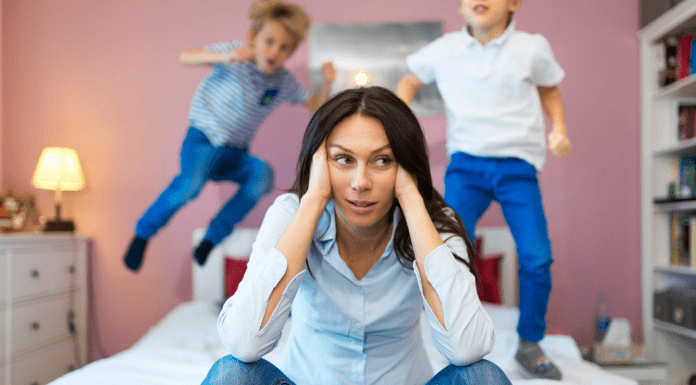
[(58, 169)]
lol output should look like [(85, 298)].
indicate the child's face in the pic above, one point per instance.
[(273, 45), (488, 17)]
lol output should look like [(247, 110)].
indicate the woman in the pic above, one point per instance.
[(357, 251)]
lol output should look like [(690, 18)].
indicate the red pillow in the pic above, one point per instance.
[(234, 271), (488, 272)]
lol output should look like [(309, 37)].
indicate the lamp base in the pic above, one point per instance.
[(59, 226)]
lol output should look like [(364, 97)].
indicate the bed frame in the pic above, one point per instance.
[(208, 281)]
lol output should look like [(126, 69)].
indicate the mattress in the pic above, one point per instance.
[(181, 348)]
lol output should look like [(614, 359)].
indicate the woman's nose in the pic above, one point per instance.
[(361, 179)]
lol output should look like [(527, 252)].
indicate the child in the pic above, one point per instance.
[(494, 82), (246, 83)]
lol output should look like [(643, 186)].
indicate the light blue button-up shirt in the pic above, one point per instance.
[(350, 331)]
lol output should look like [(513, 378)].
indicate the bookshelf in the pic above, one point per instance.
[(660, 147)]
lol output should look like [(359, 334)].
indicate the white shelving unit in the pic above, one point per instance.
[(659, 148)]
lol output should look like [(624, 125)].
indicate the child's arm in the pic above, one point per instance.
[(316, 100), (407, 88), (197, 57), (552, 101)]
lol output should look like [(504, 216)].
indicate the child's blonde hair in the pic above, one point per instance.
[(291, 16)]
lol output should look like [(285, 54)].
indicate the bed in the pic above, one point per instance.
[(181, 348)]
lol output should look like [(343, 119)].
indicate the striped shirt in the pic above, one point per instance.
[(233, 100)]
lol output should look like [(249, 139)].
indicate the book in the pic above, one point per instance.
[(692, 240), (679, 240), (687, 170), (687, 122), (671, 44), (684, 55), (673, 236)]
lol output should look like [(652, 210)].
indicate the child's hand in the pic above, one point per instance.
[(319, 181), (329, 72), (559, 143), (243, 53)]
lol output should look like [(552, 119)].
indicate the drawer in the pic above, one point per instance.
[(44, 365), (40, 323), (41, 271)]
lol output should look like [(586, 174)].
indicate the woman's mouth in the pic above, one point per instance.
[(362, 206)]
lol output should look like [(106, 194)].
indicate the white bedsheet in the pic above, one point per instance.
[(183, 346)]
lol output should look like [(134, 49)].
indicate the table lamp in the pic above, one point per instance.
[(58, 169)]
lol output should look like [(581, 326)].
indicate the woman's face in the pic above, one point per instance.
[(362, 170)]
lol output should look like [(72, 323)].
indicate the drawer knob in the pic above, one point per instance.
[(35, 273), (35, 383), (71, 269), (35, 325)]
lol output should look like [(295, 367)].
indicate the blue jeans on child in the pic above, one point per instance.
[(471, 183), (229, 370), (201, 161)]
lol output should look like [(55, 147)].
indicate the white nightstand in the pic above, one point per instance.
[(43, 306), (646, 373)]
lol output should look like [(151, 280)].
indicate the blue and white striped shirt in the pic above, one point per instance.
[(233, 100)]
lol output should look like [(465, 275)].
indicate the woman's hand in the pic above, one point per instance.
[(406, 186), (319, 181)]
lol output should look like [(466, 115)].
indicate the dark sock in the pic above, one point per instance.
[(135, 253), (202, 251), (535, 362)]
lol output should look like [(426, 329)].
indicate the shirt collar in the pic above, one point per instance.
[(325, 235), (469, 40)]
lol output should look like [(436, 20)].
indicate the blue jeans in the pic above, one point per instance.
[(201, 161), (228, 370), (471, 183)]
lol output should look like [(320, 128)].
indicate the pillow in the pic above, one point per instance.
[(488, 271), (234, 271)]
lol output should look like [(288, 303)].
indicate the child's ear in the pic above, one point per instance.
[(514, 5), (250, 36)]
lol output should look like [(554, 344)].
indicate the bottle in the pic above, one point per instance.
[(602, 316)]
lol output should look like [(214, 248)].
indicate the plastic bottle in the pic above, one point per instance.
[(602, 316)]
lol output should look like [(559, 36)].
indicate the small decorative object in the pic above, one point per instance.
[(59, 169), (18, 213)]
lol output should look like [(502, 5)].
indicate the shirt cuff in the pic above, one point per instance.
[(440, 266)]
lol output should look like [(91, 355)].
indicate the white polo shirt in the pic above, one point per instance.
[(490, 91)]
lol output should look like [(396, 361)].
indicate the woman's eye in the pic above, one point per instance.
[(382, 162), (342, 159)]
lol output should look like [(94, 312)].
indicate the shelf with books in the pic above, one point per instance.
[(682, 88), (675, 204), (683, 147), (675, 270), (665, 172)]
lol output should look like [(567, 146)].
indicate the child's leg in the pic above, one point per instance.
[(255, 178), (197, 158), (467, 189), (229, 370), (517, 190)]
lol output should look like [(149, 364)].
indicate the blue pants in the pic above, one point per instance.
[(229, 370), (200, 162), (471, 183)]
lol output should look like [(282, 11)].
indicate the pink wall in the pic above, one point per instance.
[(103, 78)]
